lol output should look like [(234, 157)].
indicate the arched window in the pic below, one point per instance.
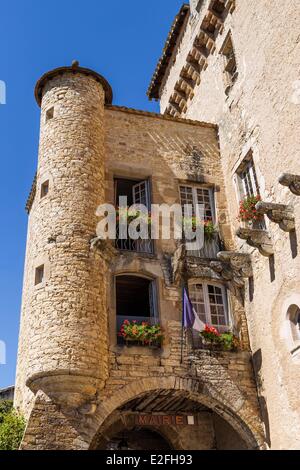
[(211, 303), (294, 319)]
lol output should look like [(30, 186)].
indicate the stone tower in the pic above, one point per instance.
[(63, 340)]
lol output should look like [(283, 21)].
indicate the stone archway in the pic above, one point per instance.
[(238, 415), (136, 438)]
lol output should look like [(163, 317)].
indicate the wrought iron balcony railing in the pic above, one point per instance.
[(197, 342), (138, 246), (210, 249)]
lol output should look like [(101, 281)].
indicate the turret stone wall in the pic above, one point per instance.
[(64, 319)]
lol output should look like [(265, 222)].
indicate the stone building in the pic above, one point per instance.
[(236, 64), (79, 384)]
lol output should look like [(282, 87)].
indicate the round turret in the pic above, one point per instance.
[(64, 323)]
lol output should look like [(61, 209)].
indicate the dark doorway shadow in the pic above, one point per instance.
[(251, 288), (257, 365), (265, 418)]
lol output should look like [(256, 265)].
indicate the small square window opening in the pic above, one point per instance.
[(49, 114), (39, 275), (44, 189)]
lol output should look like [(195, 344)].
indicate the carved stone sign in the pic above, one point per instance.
[(164, 420)]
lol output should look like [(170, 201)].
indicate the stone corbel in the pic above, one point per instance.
[(166, 266), (240, 263), (175, 106), (291, 181), (230, 5), (257, 239), (107, 250), (281, 214), (173, 266), (182, 94), (233, 267), (178, 263)]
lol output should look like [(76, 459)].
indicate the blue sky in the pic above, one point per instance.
[(122, 40)]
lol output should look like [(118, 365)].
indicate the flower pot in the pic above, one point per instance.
[(132, 341)]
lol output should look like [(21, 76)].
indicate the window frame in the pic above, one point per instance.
[(207, 304), (248, 169), (229, 57), (294, 321), (150, 249), (195, 188), (153, 292), (44, 190), (39, 275), (154, 301), (138, 180), (137, 191), (49, 114), (195, 6)]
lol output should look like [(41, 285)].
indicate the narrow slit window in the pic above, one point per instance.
[(39, 275), (44, 189), (248, 179), (199, 5), (294, 319), (50, 114), (248, 185), (230, 65), (196, 6)]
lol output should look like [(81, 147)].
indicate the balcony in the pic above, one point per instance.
[(137, 246), (128, 193), (197, 342), (210, 249)]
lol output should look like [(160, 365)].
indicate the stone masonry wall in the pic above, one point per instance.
[(261, 113), (221, 381), (169, 153)]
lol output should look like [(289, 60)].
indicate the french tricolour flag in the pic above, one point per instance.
[(190, 316)]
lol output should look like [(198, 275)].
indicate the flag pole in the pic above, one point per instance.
[(191, 336), (183, 284), (182, 323)]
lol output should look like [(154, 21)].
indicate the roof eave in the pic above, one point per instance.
[(163, 63)]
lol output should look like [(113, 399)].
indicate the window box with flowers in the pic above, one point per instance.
[(210, 229), (248, 213), (211, 245), (141, 334), (214, 340)]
